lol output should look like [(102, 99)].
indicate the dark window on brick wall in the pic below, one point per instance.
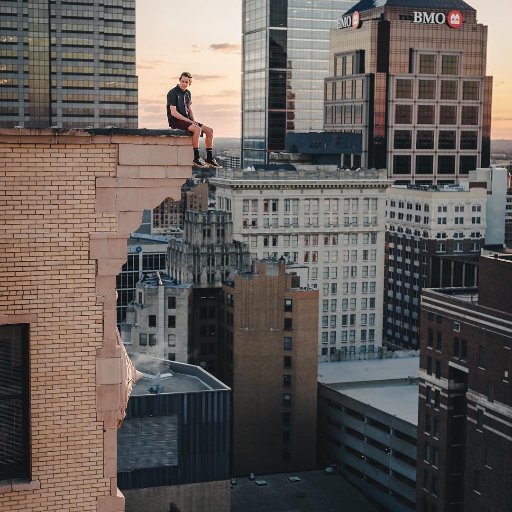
[(14, 402)]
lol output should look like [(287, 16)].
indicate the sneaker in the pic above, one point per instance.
[(211, 162), (199, 162)]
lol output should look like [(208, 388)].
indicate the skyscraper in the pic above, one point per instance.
[(68, 64), (410, 76), (285, 60)]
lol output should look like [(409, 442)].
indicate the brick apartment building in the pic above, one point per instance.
[(269, 350), (465, 406), (69, 202)]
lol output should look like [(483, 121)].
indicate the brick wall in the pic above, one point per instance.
[(68, 202)]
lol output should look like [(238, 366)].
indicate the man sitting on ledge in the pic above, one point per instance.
[(180, 116)]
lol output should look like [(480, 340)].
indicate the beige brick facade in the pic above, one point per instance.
[(68, 202)]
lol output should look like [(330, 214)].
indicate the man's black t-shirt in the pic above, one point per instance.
[(180, 99)]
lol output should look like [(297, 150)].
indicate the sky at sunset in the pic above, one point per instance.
[(204, 37)]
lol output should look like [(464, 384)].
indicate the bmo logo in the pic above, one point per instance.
[(356, 19), (453, 20), (353, 21)]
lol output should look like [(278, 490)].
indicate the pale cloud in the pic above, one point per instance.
[(225, 47), (208, 77), (196, 48)]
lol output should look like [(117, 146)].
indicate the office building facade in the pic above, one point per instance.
[(411, 78), (465, 406), (433, 239), (333, 224), (68, 64), (285, 48)]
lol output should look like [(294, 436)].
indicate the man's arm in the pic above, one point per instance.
[(177, 115)]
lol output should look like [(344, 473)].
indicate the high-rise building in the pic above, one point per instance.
[(285, 60), (269, 348), (68, 64), (465, 405), (331, 222), (433, 239), (410, 77)]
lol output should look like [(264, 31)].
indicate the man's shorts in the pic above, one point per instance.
[(180, 124)]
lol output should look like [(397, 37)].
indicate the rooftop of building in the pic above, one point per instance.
[(389, 385), (159, 278), (433, 188), (310, 490), (365, 5), (306, 173), (167, 377)]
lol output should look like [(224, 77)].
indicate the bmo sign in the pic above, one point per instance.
[(353, 21), (453, 19)]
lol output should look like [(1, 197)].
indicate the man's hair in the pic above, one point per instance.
[(185, 73)]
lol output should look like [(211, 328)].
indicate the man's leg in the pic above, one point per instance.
[(208, 132), (196, 133)]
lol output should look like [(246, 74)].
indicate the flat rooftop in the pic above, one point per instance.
[(389, 385), (165, 377), (315, 492), (368, 370)]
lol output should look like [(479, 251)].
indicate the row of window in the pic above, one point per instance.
[(308, 205), (425, 139), (428, 89), (329, 221), (428, 164), (446, 114), (346, 320)]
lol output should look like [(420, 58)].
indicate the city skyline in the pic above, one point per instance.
[(214, 58)]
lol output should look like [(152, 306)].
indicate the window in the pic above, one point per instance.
[(425, 139), (427, 89), (171, 302), (403, 114), (152, 340), (449, 64), (287, 399), (449, 89), (287, 381), (143, 339), (287, 362), (427, 64), (470, 91), (481, 356), (426, 114), (403, 139), (287, 324), (151, 320), (448, 114), (402, 164), (469, 115), (447, 139), (288, 304), (287, 343), (171, 340), (14, 402), (403, 88)]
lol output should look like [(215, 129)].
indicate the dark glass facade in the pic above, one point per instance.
[(285, 60), (425, 102), (68, 64)]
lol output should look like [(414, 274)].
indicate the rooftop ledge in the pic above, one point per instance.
[(96, 135)]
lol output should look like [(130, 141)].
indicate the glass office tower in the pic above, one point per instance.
[(67, 63), (285, 61)]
